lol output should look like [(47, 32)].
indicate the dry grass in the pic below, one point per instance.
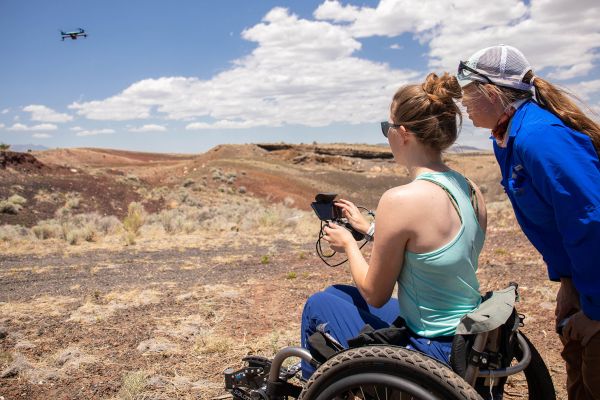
[(133, 385), (99, 308)]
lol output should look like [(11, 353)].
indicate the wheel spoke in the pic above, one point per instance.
[(363, 393)]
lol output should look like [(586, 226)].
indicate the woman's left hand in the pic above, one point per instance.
[(338, 237), (580, 328)]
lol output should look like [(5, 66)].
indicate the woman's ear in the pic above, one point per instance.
[(403, 133)]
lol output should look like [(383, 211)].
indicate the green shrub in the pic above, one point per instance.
[(291, 275), (47, 230), (16, 199), (73, 203), (135, 218), (133, 385)]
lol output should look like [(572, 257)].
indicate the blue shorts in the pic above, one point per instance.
[(346, 313)]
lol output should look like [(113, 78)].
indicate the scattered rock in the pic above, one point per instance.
[(3, 332), (157, 381), (66, 356), (156, 346), (184, 297), (24, 345), (19, 365)]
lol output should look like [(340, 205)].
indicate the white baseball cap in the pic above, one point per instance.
[(500, 65)]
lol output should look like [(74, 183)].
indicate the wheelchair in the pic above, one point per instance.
[(487, 348)]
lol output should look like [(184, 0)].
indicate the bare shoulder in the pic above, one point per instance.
[(403, 200)]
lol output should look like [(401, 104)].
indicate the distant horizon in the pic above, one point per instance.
[(24, 147)]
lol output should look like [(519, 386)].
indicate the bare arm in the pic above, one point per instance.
[(376, 280)]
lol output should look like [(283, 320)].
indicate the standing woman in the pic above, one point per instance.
[(547, 150)]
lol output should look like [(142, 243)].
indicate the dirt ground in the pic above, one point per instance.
[(164, 318)]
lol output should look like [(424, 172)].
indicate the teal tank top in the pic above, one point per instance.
[(435, 289)]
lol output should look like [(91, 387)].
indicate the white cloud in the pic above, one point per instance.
[(39, 127), (586, 89), (307, 72), (149, 128), (45, 114), (94, 132), (41, 135), (76, 129), (396, 46), (560, 35), (5, 111), (225, 124), (302, 72), (1, 126)]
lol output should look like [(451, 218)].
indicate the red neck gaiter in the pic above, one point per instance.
[(499, 131)]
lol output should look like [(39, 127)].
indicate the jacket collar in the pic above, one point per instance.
[(517, 120)]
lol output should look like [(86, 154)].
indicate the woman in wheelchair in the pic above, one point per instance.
[(428, 239)]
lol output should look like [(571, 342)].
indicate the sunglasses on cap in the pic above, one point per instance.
[(466, 73), (385, 127)]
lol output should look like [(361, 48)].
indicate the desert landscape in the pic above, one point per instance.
[(128, 275)]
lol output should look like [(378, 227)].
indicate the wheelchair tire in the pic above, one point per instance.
[(539, 381), (372, 369)]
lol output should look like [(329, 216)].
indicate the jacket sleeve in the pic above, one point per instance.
[(565, 169)]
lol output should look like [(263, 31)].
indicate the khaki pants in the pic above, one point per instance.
[(583, 368)]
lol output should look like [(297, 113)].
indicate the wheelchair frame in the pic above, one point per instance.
[(269, 379)]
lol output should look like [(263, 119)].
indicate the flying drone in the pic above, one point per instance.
[(74, 34)]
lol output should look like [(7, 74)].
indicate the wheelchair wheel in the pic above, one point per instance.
[(385, 372), (539, 381)]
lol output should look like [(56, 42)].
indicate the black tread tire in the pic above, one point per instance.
[(539, 381), (393, 361)]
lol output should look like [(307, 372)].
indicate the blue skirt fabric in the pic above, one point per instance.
[(346, 312)]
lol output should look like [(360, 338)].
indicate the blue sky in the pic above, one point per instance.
[(184, 76)]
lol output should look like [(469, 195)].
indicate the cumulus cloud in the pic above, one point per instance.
[(76, 128), (41, 135), (39, 127), (94, 132), (586, 89), (308, 72), (301, 72), (560, 35), (5, 111), (1, 126), (46, 114), (148, 128)]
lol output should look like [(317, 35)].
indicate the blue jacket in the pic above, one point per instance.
[(551, 175)]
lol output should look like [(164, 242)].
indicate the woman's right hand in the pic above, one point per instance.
[(353, 215)]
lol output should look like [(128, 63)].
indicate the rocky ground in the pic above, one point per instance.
[(162, 318)]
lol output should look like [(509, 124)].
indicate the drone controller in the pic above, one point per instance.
[(328, 212)]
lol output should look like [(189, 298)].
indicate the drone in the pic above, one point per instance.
[(73, 35)]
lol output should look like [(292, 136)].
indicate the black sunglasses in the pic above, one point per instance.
[(385, 127), (462, 67)]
